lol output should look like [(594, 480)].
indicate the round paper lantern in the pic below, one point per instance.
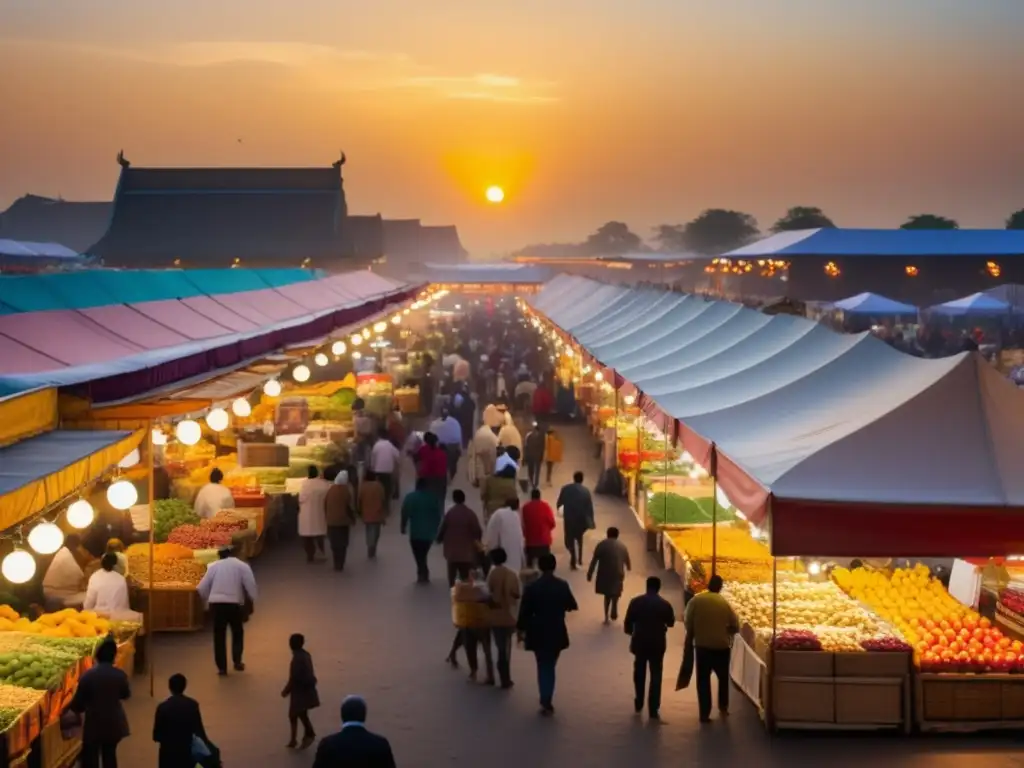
[(218, 419), (357, 355), (598, 376), (356, 340), (396, 320), (272, 388), (241, 408), (159, 438), (188, 432), (300, 373), (366, 333), (122, 494), (46, 538), (380, 327), (81, 514), (338, 348), (18, 567), (321, 359)]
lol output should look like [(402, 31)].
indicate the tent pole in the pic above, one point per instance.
[(714, 525), (150, 460)]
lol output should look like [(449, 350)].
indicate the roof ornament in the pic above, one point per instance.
[(121, 159), (339, 162)]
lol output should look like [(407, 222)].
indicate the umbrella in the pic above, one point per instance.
[(975, 304), (874, 304)]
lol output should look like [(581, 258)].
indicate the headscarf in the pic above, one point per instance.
[(342, 478)]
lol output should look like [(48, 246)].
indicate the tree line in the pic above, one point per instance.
[(716, 231)]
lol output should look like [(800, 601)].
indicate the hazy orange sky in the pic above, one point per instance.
[(646, 111)]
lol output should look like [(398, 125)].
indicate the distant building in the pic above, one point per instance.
[(219, 217), (410, 244), (364, 238), (33, 218)]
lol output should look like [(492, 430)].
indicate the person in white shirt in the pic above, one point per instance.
[(226, 587), (213, 497), (107, 592), (384, 461), (62, 584), (313, 512), (505, 530)]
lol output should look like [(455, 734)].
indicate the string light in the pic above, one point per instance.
[(218, 419), (300, 373), (46, 538), (380, 327), (122, 494), (338, 348), (80, 514), (321, 359), (188, 432), (241, 408), (356, 340), (18, 567), (272, 388)]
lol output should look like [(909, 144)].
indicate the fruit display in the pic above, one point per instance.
[(796, 640), (946, 635), (886, 645), (197, 537), (225, 522), (734, 543), (678, 507), (37, 670), (169, 514), (201, 475), (1013, 598), (167, 573), (15, 698), (161, 552)]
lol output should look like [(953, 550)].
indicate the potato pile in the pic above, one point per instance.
[(167, 573)]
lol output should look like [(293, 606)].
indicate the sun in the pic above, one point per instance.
[(495, 194)]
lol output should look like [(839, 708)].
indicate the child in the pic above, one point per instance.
[(301, 688)]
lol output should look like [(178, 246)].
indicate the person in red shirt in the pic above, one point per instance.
[(543, 401), (538, 523), (432, 465)]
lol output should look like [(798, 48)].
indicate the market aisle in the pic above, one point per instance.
[(374, 632)]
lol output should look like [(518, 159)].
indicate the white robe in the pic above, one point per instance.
[(211, 499), (505, 530), (107, 594), (509, 436), (483, 450), (312, 507)]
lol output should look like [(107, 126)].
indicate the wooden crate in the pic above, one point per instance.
[(968, 703), (801, 701), (802, 663), (174, 610), (878, 665), (56, 751), (873, 701)]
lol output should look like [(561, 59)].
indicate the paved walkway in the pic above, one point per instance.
[(374, 632)]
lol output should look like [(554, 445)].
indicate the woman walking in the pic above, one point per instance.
[(301, 692)]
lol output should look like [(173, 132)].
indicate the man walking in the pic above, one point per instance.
[(384, 461), (503, 584), (611, 561), (648, 619), (226, 587), (710, 625), (354, 744), (421, 515), (533, 454), (541, 625), (577, 516), (449, 436), (538, 523), (460, 536)]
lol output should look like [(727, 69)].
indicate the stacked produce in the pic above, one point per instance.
[(161, 553), (169, 514), (67, 623), (225, 522), (838, 622), (14, 701), (198, 537), (168, 573), (740, 558), (946, 635), (796, 640), (38, 669)]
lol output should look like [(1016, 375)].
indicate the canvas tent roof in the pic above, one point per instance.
[(874, 304), (886, 242), (484, 273), (975, 304), (838, 438)]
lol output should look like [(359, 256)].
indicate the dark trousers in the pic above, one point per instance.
[(338, 535), (472, 638), (503, 643), (453, 451), (574, 543), (611, 607), (533, 554), (550, 468), (546, 663), (460, 570), (311, 544), (533, 473), (94, 754), (227, 615), (420, 550), (710, 660), (387, 479), (439, 485), (372, 537), (641, 663)]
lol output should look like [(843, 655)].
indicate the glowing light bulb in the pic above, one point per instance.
[(80, 514), (159, 438), (272, 388), (241, 408), (356, 340), (18, 567), (218, 419), (300, 373), (338, 348), (188, 432), (46, 538), (321, 359), (123, 494), (380, 327)]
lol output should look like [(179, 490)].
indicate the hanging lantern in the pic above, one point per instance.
[(241, 408), (80, 514), (406, 311), (46, 538), (300, 373), (357, 355), (380, 327), (356, 340), (130, 460), (188, 432), (321, 359), (18, 567), (338, 348), (159, 438), (272, 388), (630, 399), (366, 333), (122, 494), (218, 419), (598, 376), (396, 320)]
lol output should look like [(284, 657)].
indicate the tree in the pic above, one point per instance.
[(803, 217), (613, 239), (1016, 220), (671, 238), (717, 230), (929, 221)]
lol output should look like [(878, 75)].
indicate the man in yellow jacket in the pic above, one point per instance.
[(711, 624), (552, 452)]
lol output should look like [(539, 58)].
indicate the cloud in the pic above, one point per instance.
[(325, 67)]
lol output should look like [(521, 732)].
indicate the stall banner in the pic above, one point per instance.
[(27, 415)]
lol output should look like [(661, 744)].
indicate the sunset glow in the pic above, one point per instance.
[(495, 194)]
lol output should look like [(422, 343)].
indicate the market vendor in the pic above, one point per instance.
[(213, 497), (64, 582), (107, 593), (116, 548)]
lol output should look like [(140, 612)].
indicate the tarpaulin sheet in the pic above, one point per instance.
[(269, 303), (210, 308), (27, 415), (64, 335), (183, 319), (15, 357), (314, 295), (42, 471), (130, 324)]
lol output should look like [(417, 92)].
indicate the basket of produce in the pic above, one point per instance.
[(168, 574), (20, 717)]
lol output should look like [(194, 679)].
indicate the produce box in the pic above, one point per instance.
[(803, 701), (263, 455), (802, 664), (174, 610), (959, 698), (56, 751), (861, 702), (872, 664)]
